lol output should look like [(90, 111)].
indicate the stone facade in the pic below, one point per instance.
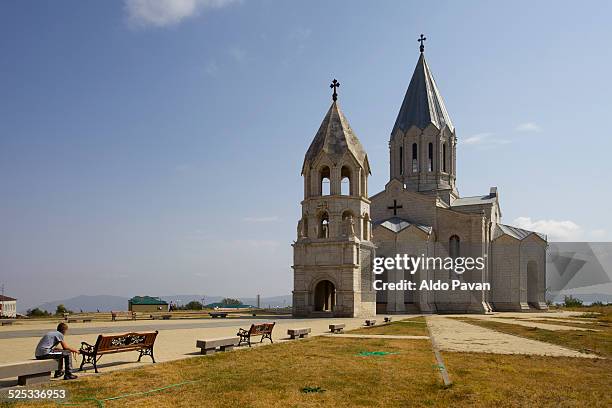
[(333, 252), (419, 213)]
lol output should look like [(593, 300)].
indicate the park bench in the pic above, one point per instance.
[(263, 329), (298, 333), (7, 322), (218, 314), (128, 315), (387, 319), (75, 320), (162, 317), (337, 328), (109, 344), (370, 322), (210, 346), (29, 372)]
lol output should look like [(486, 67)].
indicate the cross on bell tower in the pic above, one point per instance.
[(422, 41), (335, 84)]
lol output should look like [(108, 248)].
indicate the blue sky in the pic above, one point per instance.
[(155, 147)]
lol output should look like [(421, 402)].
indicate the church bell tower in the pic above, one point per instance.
[(333, 253), (423, 141)]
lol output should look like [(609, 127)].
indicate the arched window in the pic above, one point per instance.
[(401, 159), (346, 214), (430, 157), (324, 225), (415, 158), (325, 177), (345, 181), (365, 230), (454, 246), (444, 157), (305, 226)]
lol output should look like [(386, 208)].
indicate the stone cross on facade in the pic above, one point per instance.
[(422, 41), (394, 207), (335, 84)]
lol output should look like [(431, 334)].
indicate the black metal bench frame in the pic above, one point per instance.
[(262, 329)]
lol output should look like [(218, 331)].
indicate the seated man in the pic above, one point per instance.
[(46, 349)]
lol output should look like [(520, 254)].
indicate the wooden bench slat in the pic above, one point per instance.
[(109, 344)]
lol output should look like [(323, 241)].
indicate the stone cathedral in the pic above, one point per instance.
[(419, 213)]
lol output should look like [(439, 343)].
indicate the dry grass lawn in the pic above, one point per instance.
[(409, 327), (274, 376)]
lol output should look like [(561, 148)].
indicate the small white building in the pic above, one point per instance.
[(8, 306)]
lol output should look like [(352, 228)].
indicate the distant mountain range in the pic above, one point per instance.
[(105, 303), (109, 302)]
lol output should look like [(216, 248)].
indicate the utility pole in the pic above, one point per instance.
[(2, 301)]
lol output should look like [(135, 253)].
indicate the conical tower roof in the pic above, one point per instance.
[(335, 137), (423, 103)]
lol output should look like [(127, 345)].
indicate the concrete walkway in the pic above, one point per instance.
[(453, 335)]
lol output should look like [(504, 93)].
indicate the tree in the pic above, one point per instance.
[(61, 309), (36, 312), (231, 302), (193, 305)]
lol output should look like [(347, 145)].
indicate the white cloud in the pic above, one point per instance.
[(237, 53), (598, 235), (528, 127), (476, 139), (555, 230), (211, 68), (484, 140), (261, 219), (160, 13)]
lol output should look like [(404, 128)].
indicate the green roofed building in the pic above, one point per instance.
[(224, 306), (147, 304)]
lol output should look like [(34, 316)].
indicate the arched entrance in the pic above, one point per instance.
[(324, 296)]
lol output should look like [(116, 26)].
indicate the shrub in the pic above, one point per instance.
[(193, 305), (570, 301), (36, 312)]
